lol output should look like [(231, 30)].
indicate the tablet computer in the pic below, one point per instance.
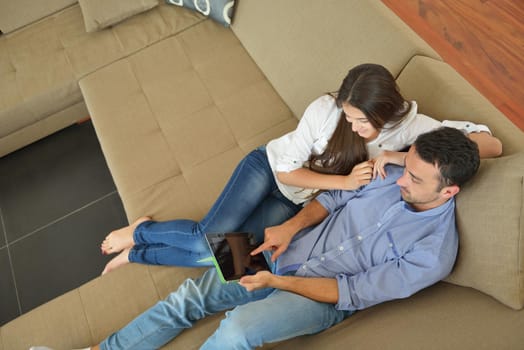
[(231, 255)]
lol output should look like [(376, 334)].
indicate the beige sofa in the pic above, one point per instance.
[(45, 50), (175, 117)]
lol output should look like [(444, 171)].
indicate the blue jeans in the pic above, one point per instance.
[(251, 201), (258, 317)]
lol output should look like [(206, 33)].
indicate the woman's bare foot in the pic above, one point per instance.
[(121, 239), (117, 261)]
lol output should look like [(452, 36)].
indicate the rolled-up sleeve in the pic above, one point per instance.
[(465, 126), (394, 279)]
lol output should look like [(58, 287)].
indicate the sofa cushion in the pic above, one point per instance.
[(219, 10), (442, 93), (99, 14), (197, 103), (30, 95), (20, 13), (490, 219), (304, 56)]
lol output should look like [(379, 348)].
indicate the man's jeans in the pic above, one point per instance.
[(259, 317), (250, 202)]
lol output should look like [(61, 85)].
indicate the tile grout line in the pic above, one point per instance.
[(65, 216), (13, 275)]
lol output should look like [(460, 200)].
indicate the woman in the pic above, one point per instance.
[(342, 141)]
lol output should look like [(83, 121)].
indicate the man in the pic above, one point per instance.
[(344, 251)]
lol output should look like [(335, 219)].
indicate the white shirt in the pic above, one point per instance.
[(292, 151)]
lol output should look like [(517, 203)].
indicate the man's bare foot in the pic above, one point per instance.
[(121, 239), (117, 261)]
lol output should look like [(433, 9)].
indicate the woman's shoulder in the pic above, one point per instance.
[(414, 118), (322, 109), (325, 101)]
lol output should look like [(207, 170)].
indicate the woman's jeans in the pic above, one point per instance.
[(258, 317), (250, 202)]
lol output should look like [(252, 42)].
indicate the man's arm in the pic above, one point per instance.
[(324, 290), (277, 238)]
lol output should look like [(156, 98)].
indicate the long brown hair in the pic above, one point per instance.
[(372, 89)]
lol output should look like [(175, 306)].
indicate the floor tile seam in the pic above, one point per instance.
[(6, 245), (63, 217), (13, 274)]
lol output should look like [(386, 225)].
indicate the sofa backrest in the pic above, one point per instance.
[(284, 37), (442, 93), (18, 13)]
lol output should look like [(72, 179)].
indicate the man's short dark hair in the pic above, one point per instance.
[(455, 155)]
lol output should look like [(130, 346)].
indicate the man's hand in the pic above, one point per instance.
[(277, 239), (261, 279)]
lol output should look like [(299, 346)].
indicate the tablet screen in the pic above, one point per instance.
[(231, 252)]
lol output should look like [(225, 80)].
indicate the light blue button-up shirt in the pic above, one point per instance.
[(375, 245)]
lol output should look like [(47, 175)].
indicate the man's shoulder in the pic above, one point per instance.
[(393, 173)]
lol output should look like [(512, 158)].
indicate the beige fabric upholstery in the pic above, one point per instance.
[(15, 14), (200, 85), (306, 48), (491, 257), (99, 14), (441, 317), (30, 93), (443, 94), (43, 128)]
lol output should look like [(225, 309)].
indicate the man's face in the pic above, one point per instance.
[(419, 185)]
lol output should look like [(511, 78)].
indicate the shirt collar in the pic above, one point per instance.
[(450, 204)]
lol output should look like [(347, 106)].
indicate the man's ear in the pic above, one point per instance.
[(450, 191)]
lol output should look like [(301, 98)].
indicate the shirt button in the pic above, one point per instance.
[(341, 248), (322, 258), (359, 238), (304, 267), (391, 245), (379, 224)]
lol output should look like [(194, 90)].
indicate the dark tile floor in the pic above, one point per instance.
[(57, 202)]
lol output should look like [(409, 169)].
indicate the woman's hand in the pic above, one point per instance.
[(361, 175), (387, 157)]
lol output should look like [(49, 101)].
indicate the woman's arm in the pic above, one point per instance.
[(305, 178), (489, 145)]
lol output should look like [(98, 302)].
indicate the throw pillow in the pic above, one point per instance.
[(219, 10), (99, 14), (490, 220)]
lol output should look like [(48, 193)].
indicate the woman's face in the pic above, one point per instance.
[(359, 122)]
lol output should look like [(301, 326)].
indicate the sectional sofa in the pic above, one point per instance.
[(187, 98)]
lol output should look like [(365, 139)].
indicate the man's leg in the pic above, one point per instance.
[(194, 300), (282, 315)]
